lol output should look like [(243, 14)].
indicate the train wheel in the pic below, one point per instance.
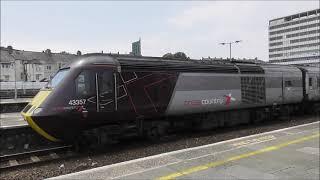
[(78, 144), (257, 117), (153, 134), (157, 132), (84, 142)]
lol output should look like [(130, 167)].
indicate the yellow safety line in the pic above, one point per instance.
[(234, 158)]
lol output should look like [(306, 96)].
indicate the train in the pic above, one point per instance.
[(105, 96)]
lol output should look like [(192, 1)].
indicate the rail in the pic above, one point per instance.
[(33, 157)]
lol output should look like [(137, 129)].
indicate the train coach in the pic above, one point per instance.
[(101, 97)]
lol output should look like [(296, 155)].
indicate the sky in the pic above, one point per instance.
[(193, 27)]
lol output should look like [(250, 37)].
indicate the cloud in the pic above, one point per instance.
[(210, 23), (214, 13), (195, 27), (236, 12)]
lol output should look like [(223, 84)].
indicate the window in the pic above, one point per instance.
[(6, 77), (288, 84), (38, 76), (293, 23), (294, 29), (48, 67), (275, 55), (105, 83), (303, 33), (57, 78), (85, 83), (310, 81), (276, 44), (304, 39), (275, 38)]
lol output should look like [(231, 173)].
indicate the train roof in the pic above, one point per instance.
[(148, 63), (164, 64), (272, 68), (311, 69)]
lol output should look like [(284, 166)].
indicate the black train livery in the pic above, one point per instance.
[(106, 96)]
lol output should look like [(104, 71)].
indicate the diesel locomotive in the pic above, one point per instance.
[(104, 96)]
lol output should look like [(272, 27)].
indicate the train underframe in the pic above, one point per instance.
[(155, 129)]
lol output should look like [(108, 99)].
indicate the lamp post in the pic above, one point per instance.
[(15, 80), (230, 43)]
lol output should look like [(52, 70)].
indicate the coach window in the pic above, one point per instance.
[(85, 83)]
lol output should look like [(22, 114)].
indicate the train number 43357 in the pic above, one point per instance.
[(75, 102)]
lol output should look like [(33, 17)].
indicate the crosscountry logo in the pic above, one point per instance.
[(204, 102), (229, 98)]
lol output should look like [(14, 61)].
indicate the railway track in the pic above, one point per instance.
[(19, 139), (21, 146), (35, 157)]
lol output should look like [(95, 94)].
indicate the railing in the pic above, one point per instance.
[(21, 85), (10, 90)]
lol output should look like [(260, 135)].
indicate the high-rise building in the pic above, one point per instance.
[(295, 39), (136, 48)]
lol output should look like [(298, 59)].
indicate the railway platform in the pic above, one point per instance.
[(290, 153), (11, 120), (13, 105), (15, 101)]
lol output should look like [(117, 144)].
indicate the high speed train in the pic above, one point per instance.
[(105, 96)]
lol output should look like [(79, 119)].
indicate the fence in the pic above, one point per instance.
[(21, 85), (24, 89)]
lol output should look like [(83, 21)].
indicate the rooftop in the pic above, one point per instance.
[(35, 57), (298, 15)]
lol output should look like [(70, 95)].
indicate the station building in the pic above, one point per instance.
[(295, 39)]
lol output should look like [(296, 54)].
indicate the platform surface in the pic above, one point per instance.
[(290, 153), (11, 120), (15, 101)]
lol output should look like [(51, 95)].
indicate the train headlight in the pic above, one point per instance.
[(36, 111)]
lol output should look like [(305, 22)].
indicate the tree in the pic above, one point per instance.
[(48, 51), (177, 55), (78, 53), (10, 49), (180, 55), (168, 56)]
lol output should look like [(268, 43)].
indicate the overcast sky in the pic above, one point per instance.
[(195, 28)]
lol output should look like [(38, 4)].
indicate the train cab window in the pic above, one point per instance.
[(85, 83), (288, 84), (105, 83), (57, 78), (310, 81)]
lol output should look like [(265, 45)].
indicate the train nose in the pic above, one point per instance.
[(31, 114)]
